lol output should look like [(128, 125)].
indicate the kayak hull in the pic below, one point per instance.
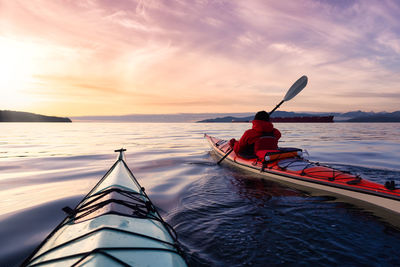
[(363, 192), (115, 224)]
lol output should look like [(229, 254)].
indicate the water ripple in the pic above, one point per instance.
[(223, 217)]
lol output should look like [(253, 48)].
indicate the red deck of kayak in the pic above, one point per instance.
[(315, 174)]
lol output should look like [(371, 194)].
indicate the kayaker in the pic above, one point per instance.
[(255, 142)]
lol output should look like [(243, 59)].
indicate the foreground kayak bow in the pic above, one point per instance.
[(114, 225), (301, 173)]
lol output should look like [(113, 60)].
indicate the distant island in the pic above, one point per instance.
[(380, 117), (274, 119), (278, 116), (283, 116), (18, 116)]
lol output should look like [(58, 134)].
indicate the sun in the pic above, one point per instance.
[(16, 73)]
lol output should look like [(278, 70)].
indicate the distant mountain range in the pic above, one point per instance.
[(175, 118), (377, 117), (18, 116), (353, 116)]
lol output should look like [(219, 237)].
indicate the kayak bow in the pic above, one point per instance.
[(115, 224), (298, 172)]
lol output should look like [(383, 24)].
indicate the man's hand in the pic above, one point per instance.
[(232, 142)]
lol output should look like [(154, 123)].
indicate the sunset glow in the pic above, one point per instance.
[(100, 57), (17, 69)]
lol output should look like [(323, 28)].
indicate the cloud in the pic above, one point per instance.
[(191, 53), (371, 95)]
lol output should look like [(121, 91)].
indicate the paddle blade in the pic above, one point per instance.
[(296, 88)]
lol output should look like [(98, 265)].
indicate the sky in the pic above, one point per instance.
[(114, 57)]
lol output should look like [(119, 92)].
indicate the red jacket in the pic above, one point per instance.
[(263, 136)]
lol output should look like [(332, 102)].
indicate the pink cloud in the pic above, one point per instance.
[(191, 51)]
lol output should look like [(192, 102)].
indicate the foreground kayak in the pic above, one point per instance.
[(291, 169), (114, 225)]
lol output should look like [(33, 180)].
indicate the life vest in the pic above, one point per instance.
[(267, 141), (250, 141)]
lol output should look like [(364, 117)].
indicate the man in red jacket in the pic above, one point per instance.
[(262, 138)]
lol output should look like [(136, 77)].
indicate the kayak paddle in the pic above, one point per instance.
[(291, 93)]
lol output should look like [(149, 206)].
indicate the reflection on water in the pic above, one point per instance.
[(223, 216)]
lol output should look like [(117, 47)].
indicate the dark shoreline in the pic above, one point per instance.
[(18, 116)]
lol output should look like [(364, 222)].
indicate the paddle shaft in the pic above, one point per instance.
[(277, 106), (227, 154)]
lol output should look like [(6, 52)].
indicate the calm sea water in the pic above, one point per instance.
[(223, 217)]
